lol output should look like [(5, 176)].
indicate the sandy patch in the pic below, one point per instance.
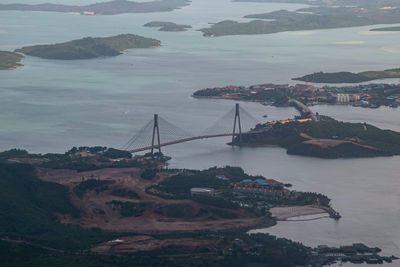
[(349, 43), (284, 213)]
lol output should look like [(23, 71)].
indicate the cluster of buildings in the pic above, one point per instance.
[(359, 95), (88, 13), (260, 186)]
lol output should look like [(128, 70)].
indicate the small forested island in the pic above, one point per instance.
[(373, 3), (168, 26), (349, 77), (311, 18), (10, 60), (103, 8), (89, 47), (325, 138)]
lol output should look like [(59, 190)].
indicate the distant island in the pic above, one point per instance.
[(168, 26), (325, 138), (280, 95), (312, 18), (386, 29), (89, 47), (349, 77), (10, 60), (103, 8), (386, 4)]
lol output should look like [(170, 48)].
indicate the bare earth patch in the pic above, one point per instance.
[(284, 213), (325, 143), (97, 213)]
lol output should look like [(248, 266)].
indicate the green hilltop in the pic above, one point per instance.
[(327, 138), (349, 77), (89, 47)]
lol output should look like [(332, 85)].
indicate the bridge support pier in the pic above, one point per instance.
[(237, 121), (156, 130)]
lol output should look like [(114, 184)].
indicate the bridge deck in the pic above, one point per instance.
[(179, 141), (304, 108)]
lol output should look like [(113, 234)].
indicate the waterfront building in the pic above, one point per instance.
[(343, 98)]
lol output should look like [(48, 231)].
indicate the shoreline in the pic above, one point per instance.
[(287, 212)]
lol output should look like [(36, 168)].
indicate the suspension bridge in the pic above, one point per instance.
[(158, 132)]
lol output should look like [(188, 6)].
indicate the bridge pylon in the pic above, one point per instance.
[(156, 130), (238, 123)]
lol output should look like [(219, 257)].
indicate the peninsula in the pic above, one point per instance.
[(101, 206), (89, 47), (311, 18), (10, 60), (325, 138), (368, 95), (103, 8), (168, 26), (387, 29), (349, 77)]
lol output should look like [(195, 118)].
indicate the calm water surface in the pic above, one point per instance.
[(50, 105)]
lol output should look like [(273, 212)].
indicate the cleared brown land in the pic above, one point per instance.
[(97, 213), (325, 143)]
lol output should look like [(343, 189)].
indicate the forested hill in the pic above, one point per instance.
[(89, 47)]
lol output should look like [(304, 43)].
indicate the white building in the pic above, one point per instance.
[(202, 191), (343, 98)]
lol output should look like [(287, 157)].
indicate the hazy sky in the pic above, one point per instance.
[(65, 2)]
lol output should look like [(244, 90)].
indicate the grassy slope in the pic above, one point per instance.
[(89, 47)]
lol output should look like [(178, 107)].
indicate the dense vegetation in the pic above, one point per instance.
[(179, 210), (104, 8), (321, 17), (359, 139), (218, 202), (91, 184), (89, 47), (10, 60), (149, 174), (178, 186), (82, 159), (265, 249), (28, 212), (168, 26), (129, 209), (125, 193), (349, 77)]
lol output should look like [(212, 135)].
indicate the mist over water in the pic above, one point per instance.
[(50, 105)]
